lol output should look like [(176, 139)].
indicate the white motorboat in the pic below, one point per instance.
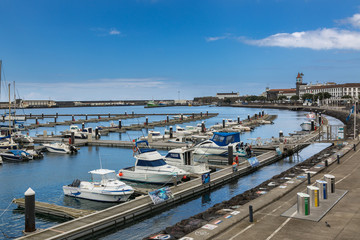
[(155, 135), (16, 156), (306, 126), (78, 133), (183, 158), (22, 138), (8, 143), (58, 147), (150, 167), (180, 131), (219, 143), (230, 122), (241, 128), (193, 129), (104, 186)]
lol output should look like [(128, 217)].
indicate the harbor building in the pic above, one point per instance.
[(227, 95), (337, 91), (274, 94)]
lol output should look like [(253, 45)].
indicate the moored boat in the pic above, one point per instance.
[(59, 147), (104, 187), (16, 156), (306, 126), (150, 167)]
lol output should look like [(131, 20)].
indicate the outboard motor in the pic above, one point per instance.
[(73, 149)]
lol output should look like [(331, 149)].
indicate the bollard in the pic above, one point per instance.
[(322, 185), (167, 118), (83, 126), (132, 113), (86, 117), (238, 120), (320, 120), (55, 119), (308, 178), (42, 115), (73, 118), (182, 117), (57, 114), (30, 210), (223, 123), (125, 113), (259, 114), (330, 179), (338, 159), (354, 147), (193, 115), (99, 117), (36, 121), (251, 217), (171, 132), (109, 115), (262, 113), (72, 138), (248, 117), (303, 204), (120, 124), (207, 113), (30, 114), (312, 125), (230, 155), (314, 196), (200, 114), (326, 163), (281, 136), (90, 130), (256, 116), (147, 121)]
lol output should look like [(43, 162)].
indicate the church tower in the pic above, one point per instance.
[(299, 82)]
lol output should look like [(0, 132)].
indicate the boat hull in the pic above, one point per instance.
[(149, 177), (101, 196), (306, 126)]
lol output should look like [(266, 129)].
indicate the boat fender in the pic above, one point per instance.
[(120, 174)]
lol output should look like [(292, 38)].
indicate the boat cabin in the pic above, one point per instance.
[(224, 139), (100, 175), (181, 155)]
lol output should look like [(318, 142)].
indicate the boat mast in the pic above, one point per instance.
[(0, 77), (9, 113), (14, 99)]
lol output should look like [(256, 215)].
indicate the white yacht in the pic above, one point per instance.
[(104, 186), (183, 158), (58, 147), (306, 126), (150, 167), (22, 138), (218, 145), (78, 133), (180, 131)]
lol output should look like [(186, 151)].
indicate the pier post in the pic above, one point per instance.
[(281, 135), (96, 133), (30, 114), (86, 117), (256, 116), (203, 130), (147, 121), (249, 117), (36, 121), (109, 115), (238, 120), (262, 113), (99, 117), (200, 114), (338, 159), (354, 147), (326, 163), (193, 115), (308, 178), (320, 119), (55, 119), (42, 115), (207, 113), (223, 123), (83, 126), (73, 118), (167, 118), (30, 211), (125, 113), (230, 155), (312, 125), (251, 216), (57, 114), (182, 117), (171, 132), (120, 124), (132, 113), (72, 138)]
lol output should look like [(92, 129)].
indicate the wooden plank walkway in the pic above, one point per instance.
[(55, 210)]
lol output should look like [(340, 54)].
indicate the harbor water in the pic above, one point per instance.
[(47, 176)]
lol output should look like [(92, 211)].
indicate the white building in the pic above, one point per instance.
[(227, 95), (337, 91)]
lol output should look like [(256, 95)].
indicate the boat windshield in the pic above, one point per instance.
[(152, 163), (100, 177), (173, 155)]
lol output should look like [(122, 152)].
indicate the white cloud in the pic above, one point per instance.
[(321, 39), (354, 20), (114, 31), (212, 39)]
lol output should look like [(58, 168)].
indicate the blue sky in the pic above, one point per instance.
[(144, 49)]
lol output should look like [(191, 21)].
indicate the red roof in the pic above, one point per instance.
[(291, 90)]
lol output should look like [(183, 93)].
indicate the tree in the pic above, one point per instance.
[(282, 97), (346, 97), (307, 96), (227, 100), (294, 98), (327, 95)]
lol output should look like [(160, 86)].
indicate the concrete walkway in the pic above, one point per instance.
[(343, 219)]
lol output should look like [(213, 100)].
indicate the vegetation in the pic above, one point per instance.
[(294, 98), (282, 97), (346, 97)]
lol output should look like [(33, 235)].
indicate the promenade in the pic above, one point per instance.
[(343, 220)]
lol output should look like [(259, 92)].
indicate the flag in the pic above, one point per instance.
[(351, 112)]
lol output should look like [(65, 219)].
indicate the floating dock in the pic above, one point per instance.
[(141, 206)]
